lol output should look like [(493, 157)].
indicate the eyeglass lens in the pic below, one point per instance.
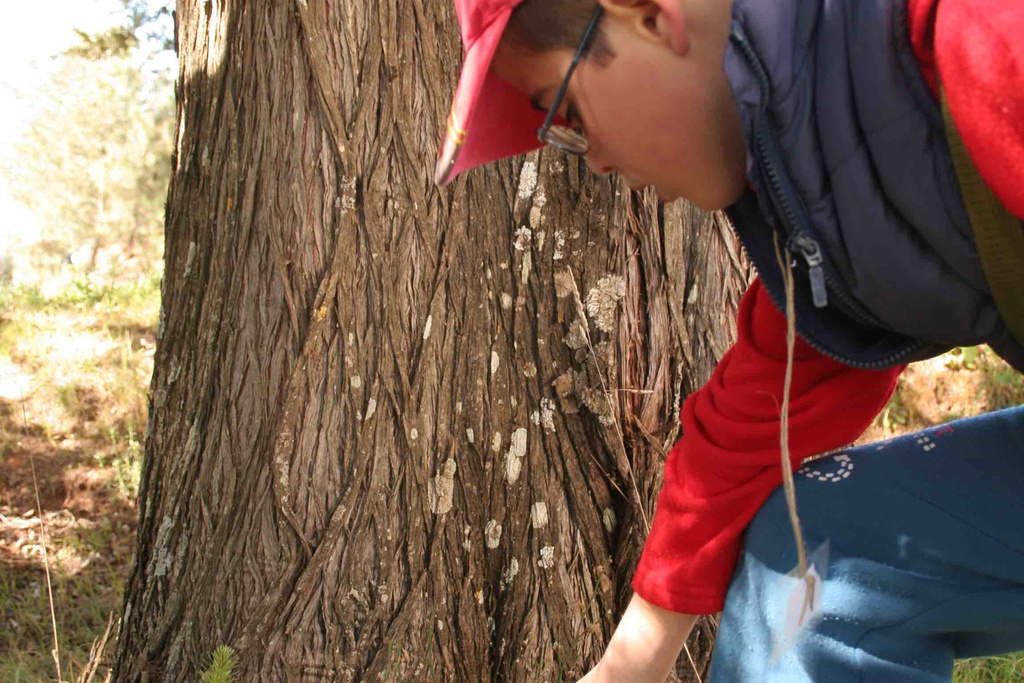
[(566, 139)]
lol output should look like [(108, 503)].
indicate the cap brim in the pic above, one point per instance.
[(489, 118)]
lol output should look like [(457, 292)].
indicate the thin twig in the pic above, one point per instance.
[(692, 663), (581, 312), (46, 554), (786, 266), (96, 652)]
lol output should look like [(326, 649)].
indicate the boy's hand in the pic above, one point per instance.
[(644, 647)]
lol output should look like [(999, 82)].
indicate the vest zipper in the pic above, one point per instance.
[(808, 248), (801, 239)]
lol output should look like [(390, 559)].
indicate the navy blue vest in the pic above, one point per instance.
[(848, 157)]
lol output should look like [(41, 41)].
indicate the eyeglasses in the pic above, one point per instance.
[(565, 138)]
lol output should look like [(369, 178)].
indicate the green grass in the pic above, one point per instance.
[(1002, 669), (83, 293), (222, 667), (1001, 386), (82, 604), (12, 332), (1004, 387), (125, 457)]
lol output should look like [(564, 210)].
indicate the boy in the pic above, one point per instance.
[(816, 124)]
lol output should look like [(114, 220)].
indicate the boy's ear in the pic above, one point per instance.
[(662, 21)]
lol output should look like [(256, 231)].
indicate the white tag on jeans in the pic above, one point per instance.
[(803, 600)]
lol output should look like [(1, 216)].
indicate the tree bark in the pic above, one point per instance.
[(398, 432)]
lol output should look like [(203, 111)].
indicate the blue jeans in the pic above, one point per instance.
[(926, 564)]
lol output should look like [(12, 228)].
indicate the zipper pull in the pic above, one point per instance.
[(736, 33), (811, 252)]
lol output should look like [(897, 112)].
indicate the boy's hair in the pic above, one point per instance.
[(542, 25)]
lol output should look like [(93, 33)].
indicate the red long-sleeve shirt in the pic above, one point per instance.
[(727, 462)]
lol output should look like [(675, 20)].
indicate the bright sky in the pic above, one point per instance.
[(31, 33)]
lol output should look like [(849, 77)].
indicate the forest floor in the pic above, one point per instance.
[(75, 364)]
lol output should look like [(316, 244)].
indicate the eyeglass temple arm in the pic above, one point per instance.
[(580, 51)]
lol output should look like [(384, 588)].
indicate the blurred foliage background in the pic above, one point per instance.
[(92, 161)]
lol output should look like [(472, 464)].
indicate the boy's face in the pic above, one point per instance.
[(660, 111)]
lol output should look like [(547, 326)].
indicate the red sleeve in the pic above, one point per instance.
[(727, 462), (977, 50)]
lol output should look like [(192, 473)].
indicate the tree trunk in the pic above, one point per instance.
[(398, 433)]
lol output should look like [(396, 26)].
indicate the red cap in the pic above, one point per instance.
[(489, 119)]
